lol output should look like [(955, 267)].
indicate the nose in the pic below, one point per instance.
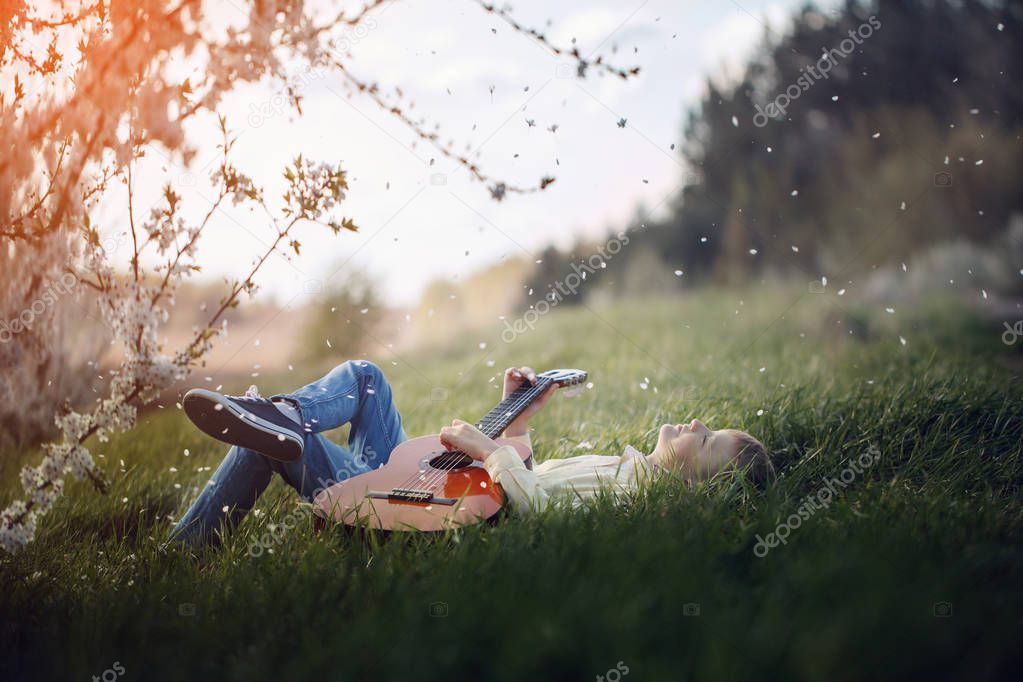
[(698, 427)]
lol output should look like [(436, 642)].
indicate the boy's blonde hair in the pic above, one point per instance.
[(752, 458)]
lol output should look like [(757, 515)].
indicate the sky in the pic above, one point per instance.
[(421, 216)]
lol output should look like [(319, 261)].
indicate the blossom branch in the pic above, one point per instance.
[(583, 64)]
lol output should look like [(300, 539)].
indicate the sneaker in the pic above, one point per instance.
[(248, 421)]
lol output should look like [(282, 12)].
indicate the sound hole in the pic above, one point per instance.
[(449, 461)]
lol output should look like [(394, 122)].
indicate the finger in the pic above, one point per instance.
[(511, 372), (528, 373), (544, 397)]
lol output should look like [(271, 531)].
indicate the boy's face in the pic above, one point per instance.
[(693, 450)]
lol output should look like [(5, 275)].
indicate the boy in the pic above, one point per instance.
[(283, 434)]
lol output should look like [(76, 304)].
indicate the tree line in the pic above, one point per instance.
[(852, 140)]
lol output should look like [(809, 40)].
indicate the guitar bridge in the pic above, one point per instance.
[(411, 495)]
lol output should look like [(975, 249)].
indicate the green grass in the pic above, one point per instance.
[(568, 595)]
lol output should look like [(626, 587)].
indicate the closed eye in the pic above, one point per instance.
[(705, 437)]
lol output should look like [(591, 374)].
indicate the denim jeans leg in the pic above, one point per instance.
[(322, 464), (243, 476), (229, 494), (357, 392)]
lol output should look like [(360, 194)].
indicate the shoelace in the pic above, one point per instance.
[(251, 396)]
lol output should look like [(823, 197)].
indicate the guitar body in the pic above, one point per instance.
[(423, 487), (426, 487)]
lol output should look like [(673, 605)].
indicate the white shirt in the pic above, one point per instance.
[(575, 480)]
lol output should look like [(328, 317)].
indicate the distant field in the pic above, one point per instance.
[(912, 571)]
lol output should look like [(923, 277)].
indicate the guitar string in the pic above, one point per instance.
[(448, 464), (442, 465), (422, 482), (443, 468), (445, 464), (526, 396)]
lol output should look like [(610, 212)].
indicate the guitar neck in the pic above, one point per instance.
[(497, 420)]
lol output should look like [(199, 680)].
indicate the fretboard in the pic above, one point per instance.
[(497, 420)]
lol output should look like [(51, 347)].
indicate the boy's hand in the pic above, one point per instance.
[(513, 379), (467, 438)]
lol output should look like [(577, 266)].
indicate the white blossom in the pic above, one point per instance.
[(116, 99)]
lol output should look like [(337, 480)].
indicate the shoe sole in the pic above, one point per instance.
[(218, 417)]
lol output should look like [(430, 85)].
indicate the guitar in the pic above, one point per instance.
[(426, 487)]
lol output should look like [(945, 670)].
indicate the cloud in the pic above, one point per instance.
[(589, 27), (465, 72), (727, 46)]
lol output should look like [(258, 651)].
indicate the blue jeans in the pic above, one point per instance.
[(354, 392)]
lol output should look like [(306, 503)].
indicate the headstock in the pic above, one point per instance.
[(564, 377)]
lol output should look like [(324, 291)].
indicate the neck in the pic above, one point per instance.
[(654, 460), (497, 420)]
